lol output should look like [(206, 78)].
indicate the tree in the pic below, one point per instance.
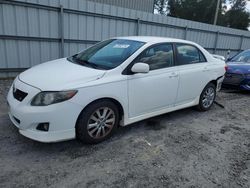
[(160, 6), (204, 11), (236, 16), (197, 10), (238, 4)]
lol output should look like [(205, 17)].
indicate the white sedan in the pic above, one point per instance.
[(115, 82)]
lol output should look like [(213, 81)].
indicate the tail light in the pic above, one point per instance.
[(226, 67)]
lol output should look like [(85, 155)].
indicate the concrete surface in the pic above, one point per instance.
[(180, 149)]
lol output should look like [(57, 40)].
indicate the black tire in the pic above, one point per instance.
[(201, 106), (82, 132)]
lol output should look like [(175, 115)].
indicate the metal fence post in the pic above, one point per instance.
[(138, 27), (241, 42), (186, 32), (61, 28), (216, 41)]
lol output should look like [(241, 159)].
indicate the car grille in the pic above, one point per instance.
[(18, 94), (234, 79)]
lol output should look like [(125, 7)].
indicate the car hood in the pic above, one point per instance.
[(238, 67), (59, 74)]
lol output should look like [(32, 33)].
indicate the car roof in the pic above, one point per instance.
[(154, 39)]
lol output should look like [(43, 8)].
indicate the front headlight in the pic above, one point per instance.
[(46, 98)]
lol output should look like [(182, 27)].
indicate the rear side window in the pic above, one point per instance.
[(158, 56), (188, 54)]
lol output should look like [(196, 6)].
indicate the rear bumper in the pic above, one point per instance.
[(241, 84), (240, 87), (245, 87), (219, 83), (236, 81)]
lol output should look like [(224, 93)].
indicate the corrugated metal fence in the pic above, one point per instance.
[(35, 31), (143, 5)]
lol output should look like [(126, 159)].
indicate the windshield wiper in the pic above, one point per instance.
[(87, 63), (79, 61), (72, 58)]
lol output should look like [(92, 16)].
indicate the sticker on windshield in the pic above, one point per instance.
[(121, 46)]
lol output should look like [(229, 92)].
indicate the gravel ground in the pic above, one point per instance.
[(180, 149)]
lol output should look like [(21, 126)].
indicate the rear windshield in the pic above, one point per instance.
[(242, 57), (107, 54)]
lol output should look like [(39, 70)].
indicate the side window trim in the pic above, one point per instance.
[(203, 57), (127, 70), (176, 53)]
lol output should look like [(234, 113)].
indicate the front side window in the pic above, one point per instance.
[(107, 54), (157, 57), (188, 54)]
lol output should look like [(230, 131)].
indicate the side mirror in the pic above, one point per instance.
[(140, 68)]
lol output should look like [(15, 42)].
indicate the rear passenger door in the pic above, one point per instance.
[(193, 71)]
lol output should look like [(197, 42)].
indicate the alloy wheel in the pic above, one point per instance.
[(101, 122), (208, 97)]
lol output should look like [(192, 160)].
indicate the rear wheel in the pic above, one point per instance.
[(97, 122), (207, 97)]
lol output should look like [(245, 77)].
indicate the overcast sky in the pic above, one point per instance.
[(248, 6), (248, 9)]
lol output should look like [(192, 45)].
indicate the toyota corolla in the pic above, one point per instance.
[(115, 82)]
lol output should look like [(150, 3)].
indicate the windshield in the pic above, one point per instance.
[(242, 57), (107, 54)]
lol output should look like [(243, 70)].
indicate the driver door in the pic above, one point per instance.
[(157, 89)]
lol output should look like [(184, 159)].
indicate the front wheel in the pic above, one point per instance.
[(97, 122), (207, 97)]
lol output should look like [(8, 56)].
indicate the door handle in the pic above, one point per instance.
[(173, 75)]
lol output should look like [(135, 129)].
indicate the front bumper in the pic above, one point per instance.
[(61, 117)]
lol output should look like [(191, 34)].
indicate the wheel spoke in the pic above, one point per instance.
[(94, 118), (205, 103), (107, 125), (109, 114), (103, 131), (92, 125), (105, 110), (110, 120), (98, 132), (98, 114), (92, 131)]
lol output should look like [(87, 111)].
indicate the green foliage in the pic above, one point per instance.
[(160, 6), (201, 11), (237, 16), (204, 11), (237, 19)]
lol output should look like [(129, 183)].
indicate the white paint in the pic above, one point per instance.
[(140, 95)]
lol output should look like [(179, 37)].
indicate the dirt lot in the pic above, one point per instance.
[(180, 149)]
